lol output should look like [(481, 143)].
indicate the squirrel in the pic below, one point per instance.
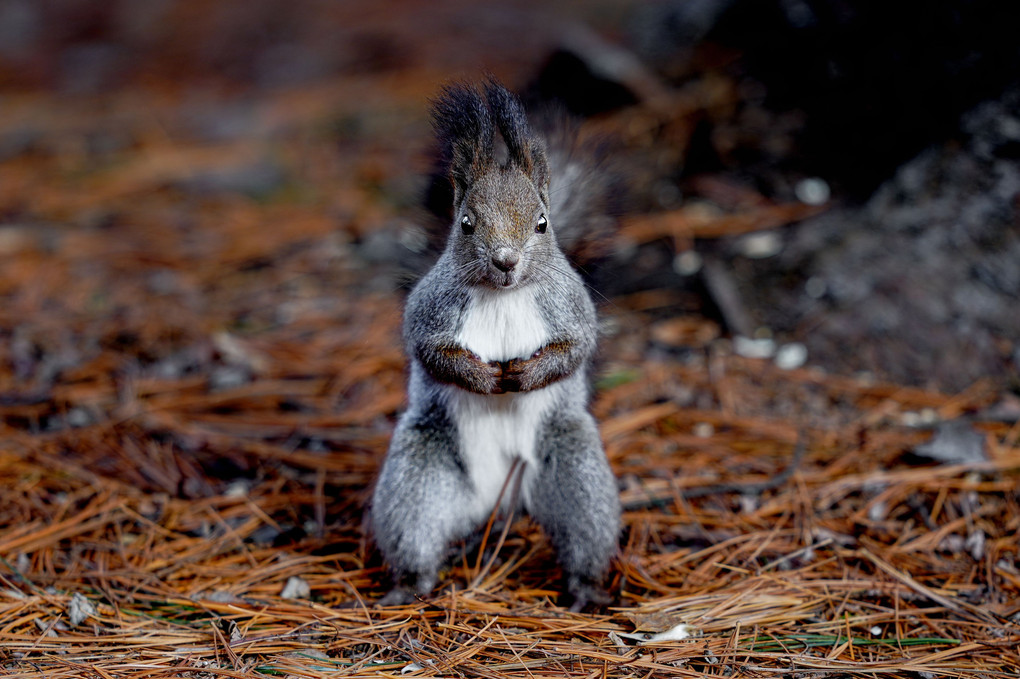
[(500, 336)]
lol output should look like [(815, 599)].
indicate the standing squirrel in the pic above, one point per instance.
[(500, 334)]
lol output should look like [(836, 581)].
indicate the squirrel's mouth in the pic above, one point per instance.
[(502, 280)]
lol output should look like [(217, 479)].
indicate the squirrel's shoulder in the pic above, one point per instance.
[(437, 295)]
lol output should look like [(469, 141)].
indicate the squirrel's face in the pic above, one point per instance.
[(501, 233)]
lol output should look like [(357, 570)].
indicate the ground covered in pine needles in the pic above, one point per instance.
[(200, 366)]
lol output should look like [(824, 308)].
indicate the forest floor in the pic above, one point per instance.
[(200, 368)]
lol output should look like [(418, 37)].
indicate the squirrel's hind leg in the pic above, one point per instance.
[(416, 508), (575, 500)]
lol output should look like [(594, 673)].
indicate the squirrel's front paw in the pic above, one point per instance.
[(523, 374), (480, 377), (494, 378), (514, 375)]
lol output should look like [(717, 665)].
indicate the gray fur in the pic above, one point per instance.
[(501, 254)]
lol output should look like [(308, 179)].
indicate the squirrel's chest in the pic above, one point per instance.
[(498, 325)]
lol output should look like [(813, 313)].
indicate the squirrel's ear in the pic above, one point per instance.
[(465, 131), (540, 170), (525, 149)]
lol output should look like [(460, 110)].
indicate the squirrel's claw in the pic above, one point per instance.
[(516, 375)]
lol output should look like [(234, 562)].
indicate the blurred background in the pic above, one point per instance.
[(210, 214), (234, 190)]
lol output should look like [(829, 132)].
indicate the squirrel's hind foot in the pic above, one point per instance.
[(398, 596), (585, 593), (408, 589)]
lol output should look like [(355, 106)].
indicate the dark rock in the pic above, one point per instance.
[(954, 442), (921, 283), (875, 82)]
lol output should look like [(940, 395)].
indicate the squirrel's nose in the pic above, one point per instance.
[(505, 259)]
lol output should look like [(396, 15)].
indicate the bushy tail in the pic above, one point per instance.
[(584, 189)]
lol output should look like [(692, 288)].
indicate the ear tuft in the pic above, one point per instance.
[(525, 148), (463, 124), (466, 122)]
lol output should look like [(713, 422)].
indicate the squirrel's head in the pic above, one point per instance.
[(500, 174)]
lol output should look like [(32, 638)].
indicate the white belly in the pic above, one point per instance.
[(502, 324), (495, 430)]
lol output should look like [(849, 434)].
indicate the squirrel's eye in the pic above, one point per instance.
[(542, 223), (466, 226)]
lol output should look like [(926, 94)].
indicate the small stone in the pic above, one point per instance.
[(812, 191), (675, 633), (296, 588), (754, 348), (761, 245), (238, 488), (952, 543), (78, 417), (416, 667), (791, 356), (703, 430), (955, 442), (687, 263), (975, 544), (79, 609), (748, 504), (910, 419)]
